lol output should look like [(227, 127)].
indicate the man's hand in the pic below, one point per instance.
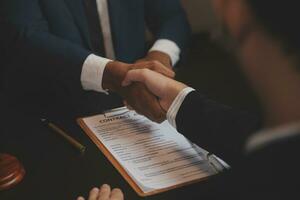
[(104, 193), (159, 56), (164, 88), (136, 95)]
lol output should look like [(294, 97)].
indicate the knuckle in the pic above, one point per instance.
[(152, 62), (144, 73)]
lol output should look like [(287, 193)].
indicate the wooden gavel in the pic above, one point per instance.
[(11, 171)]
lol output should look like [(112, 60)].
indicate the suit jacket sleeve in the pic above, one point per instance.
[(36, 55), (218, 128), (167, 20)]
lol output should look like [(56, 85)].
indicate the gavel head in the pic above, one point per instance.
[(11, 171)]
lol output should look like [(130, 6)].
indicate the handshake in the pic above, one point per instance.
[(146, 86)]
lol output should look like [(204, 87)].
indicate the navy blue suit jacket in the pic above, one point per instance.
[(52, 39), (270, 172), (60, 25)]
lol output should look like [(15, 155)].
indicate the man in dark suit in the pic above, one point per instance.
[(64, 46), (265, 164)]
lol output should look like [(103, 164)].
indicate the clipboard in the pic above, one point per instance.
[(212, 159)]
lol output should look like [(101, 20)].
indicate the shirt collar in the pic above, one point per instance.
[(267, 136)]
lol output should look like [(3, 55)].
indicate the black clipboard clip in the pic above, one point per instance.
[(218, 164), (115, 112)]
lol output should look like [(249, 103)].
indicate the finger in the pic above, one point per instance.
[(94, 194), (104, 192), (145, 103), (165, 104), (127, 105), (156, 113), (80, 198), (155, 66), (116, 194), (160, 68), (135, 75), (154, 81)]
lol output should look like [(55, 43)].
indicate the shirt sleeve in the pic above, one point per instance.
[(168, 47), (92, 73), (175, 106)]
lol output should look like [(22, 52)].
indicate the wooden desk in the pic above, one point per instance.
[(55, 170)]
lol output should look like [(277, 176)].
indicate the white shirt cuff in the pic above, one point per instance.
[(168, 47), (175, 106), (92, 73)]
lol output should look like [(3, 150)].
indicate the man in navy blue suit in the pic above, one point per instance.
[(72, 46)]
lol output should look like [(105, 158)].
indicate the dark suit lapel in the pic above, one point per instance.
[(77, 9)]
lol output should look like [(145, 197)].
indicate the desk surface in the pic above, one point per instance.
[(54, 169)]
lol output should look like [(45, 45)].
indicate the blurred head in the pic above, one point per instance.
[(268, 38), (278, 19)]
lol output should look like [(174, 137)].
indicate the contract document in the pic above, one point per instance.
[(152, 157)]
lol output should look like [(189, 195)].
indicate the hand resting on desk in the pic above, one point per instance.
[(104, 193)]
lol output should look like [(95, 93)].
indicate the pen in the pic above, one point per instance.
[(71, 140)]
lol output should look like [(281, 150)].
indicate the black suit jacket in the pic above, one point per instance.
[(52, 43), (268, 173)]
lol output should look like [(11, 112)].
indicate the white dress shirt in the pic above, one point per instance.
[(256, 141), (268, 136), (93, 67)]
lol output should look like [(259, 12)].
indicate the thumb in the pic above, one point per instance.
[(135, 75), (155, 82)]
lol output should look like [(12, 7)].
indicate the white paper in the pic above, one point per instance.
[(155, 155)]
